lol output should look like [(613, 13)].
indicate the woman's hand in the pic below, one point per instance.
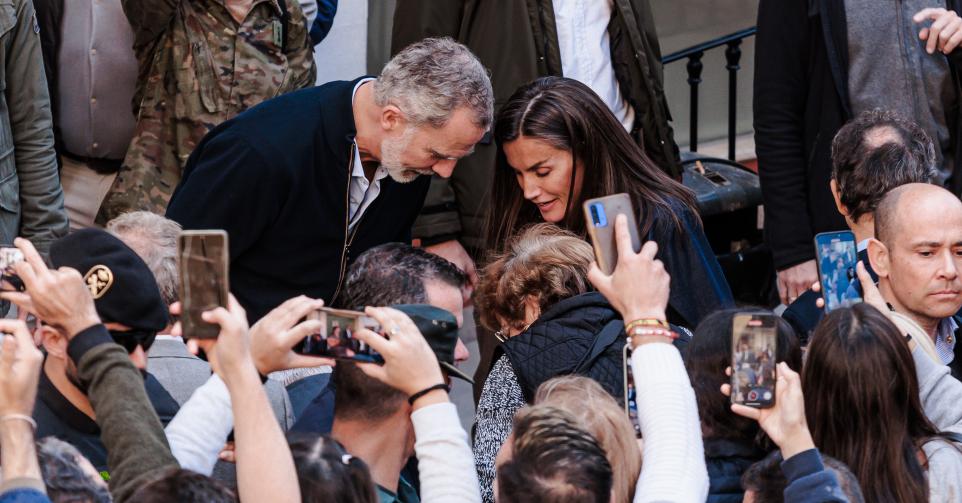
[(785, 421), (639, 286)]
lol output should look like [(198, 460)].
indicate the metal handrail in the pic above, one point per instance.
[(694, 67)]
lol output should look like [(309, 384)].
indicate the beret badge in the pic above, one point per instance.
[(99, 280)]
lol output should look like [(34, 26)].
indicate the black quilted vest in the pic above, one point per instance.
[(557, 342)]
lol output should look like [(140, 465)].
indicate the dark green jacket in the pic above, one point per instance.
[(517, 41), (137, 449)]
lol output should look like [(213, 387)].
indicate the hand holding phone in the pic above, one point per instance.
[(275, 335), (203, 268), (754, 346), (9, 257), (335, 336)]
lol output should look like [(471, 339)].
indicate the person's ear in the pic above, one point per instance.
[(838, 198), (392, 119), (532, 309), (53, 342), (878, 256)]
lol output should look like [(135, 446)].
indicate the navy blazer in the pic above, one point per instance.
[(276, 178)]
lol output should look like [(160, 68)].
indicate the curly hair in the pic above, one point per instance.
[(542, 261)]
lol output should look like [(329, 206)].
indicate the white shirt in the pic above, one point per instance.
[(585, 48), (362, 192)]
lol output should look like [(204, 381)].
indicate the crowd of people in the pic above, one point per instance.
[(447, 191)]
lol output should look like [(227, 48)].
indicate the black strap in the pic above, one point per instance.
[(285, 20), (604, 339), (953, 436)]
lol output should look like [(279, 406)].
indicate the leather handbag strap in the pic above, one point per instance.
[(604, 339)]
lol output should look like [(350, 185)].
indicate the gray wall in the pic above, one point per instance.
[(681, 24)]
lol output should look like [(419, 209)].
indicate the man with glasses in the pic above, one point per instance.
[(128, 300)]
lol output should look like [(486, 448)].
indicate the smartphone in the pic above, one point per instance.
[(753, 360), (836, 256), (335, 339), (9, 281), (600, 216), (631, 403), (202, 263)]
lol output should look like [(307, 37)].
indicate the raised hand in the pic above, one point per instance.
[(639, 286), (275, 334)]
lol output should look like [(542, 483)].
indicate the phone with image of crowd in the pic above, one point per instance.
[(754, 348), (9, 281), (335, 339), (631, 402), (202, 263), (836, 256), (600, 216)]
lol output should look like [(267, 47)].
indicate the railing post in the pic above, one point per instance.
[(733, 55), (694, 67)]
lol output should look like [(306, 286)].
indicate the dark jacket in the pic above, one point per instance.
[(956, 364), (726, 461), (517, 41), (558, 342), (276, 178), (801, 101)]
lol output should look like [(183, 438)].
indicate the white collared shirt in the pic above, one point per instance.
[(585, 48), (362, 192)]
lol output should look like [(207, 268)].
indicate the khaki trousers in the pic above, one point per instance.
[(83, 191)]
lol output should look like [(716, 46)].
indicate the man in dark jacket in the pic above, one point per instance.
[(306, 182), (818, 64), (520, 40)]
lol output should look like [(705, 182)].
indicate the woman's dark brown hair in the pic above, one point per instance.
[(568, 115), (327, 473), (862, 403)]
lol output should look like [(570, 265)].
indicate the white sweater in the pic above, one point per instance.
[(673, 462), (445, 463), (199, 430)]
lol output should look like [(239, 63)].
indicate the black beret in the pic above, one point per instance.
[(440, 329), (124, 289)]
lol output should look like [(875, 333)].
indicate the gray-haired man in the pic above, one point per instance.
[(308, 181)]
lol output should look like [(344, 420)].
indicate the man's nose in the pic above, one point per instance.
[(950, 266), (444, 168), (461, 353), (139, 358)]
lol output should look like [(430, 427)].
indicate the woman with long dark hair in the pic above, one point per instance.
[(560, 145), (863, 405)]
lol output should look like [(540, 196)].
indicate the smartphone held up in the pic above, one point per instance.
[(754, 341), (336, 339), (202, 263), (836, 255), (600, 214), (9, 281)]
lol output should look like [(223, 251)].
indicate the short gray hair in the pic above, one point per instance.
[(65, 479), (432, 78), (154, 238)]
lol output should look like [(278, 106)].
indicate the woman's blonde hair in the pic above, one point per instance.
[(600, 415), (542, 261)]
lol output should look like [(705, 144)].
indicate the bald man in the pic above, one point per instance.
[(917, 254)]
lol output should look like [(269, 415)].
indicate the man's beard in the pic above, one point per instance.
[(391, 152)]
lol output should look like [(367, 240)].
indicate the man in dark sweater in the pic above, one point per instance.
[(306, 182)]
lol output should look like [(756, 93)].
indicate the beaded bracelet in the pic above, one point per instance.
[(20, 417), (642, 331)]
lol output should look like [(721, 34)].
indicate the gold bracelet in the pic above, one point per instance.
[(646, 322)]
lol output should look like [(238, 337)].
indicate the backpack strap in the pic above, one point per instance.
[(285, 21), (953, 436), (604, 339)]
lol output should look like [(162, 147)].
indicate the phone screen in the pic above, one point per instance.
[(203, 280), (631, 403), (335, 339), (836, 256), (9, 281), (753, 360)]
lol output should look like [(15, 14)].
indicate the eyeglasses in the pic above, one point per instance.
[(502, 335), (133, 338)]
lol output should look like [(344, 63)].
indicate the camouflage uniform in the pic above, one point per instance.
[(199, 68)]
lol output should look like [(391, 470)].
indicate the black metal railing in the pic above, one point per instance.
[(733, 55)]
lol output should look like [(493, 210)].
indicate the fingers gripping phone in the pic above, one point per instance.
[(335, 339), (600, 216), (836, 256), (753, 360), (9, 281), (202, 263)]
